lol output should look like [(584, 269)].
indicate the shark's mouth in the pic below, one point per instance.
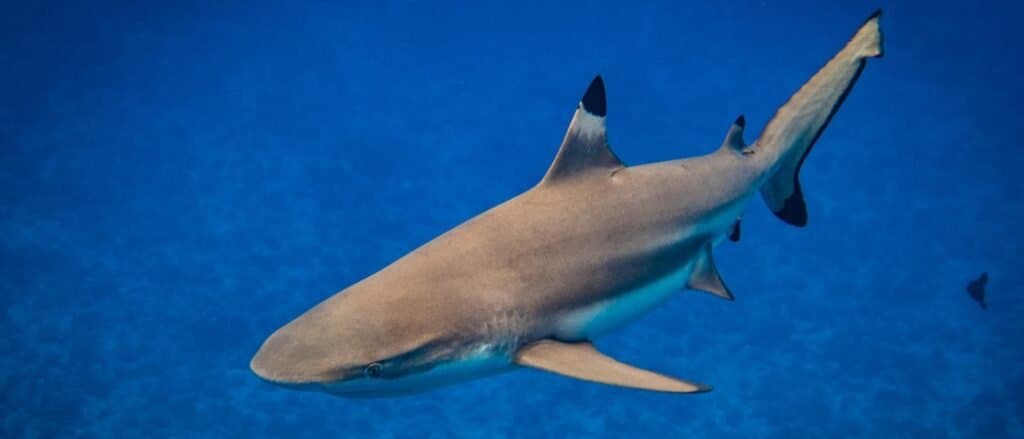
[(481, 363)]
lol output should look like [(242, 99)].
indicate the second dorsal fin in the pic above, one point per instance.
[(734, 138), (585, 147)]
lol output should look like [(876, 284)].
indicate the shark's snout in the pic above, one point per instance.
[(334, 342), (268, 362), (262, 367), (289, 361)]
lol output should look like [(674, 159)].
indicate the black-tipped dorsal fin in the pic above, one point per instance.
[(585, 147), (705, 276), (734, 138), (583, 361)]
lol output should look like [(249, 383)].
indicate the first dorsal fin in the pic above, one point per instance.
[(585, 147), (583, 361)]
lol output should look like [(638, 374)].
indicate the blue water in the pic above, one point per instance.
[(176, 182)]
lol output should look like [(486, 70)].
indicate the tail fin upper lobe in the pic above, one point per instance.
[(792, 133)]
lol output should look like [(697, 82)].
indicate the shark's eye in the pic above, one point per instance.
[(373, 370)]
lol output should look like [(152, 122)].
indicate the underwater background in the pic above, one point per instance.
[(179, 179)]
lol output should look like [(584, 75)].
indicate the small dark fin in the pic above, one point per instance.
[(584, 362), (734, 234), (798, 125), (976, 289), (705, 276), (585, 146), (734, 138)]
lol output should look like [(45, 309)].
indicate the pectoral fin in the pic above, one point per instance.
[(583, 361)]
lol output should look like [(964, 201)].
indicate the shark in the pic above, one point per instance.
[(533, 281)]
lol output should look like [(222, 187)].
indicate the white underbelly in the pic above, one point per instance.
[(599, 318)]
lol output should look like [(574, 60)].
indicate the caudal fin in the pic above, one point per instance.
[(796, 127)]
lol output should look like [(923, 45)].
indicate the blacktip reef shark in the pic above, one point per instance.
[(531, 282)]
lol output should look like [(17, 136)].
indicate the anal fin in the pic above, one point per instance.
[(705, 276), (734, 234), (583, 361)]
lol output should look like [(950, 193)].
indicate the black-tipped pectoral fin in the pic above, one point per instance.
[(584, 362), (705, 277)]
